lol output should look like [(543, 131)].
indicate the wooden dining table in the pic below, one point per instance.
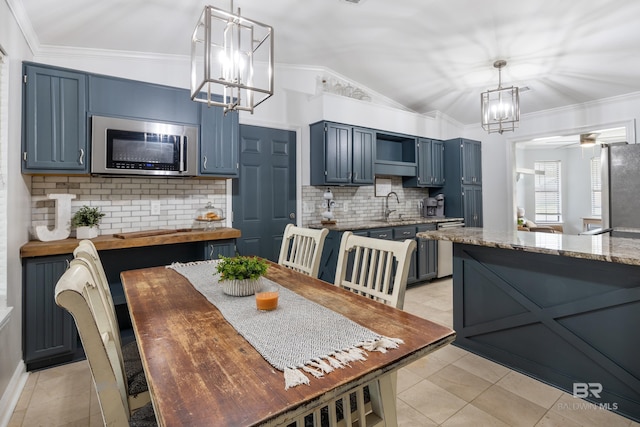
[(201, 372)]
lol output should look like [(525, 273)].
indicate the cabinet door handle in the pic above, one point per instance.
[(81, 156), (204, 163), (382, 236), (355, 175), (211, 252), (406, 233)]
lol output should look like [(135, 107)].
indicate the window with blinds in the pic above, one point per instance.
[(547, 192), (596, 187)]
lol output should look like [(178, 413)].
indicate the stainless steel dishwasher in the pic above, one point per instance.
[(445, 250)]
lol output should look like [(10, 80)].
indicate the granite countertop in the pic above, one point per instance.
[(600, 247), (364, 224)]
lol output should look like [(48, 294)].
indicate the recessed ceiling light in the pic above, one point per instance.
[(353, 1)]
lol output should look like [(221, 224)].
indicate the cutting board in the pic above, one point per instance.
[(147, 233)]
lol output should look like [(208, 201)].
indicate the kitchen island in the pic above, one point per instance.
[(563, 309)]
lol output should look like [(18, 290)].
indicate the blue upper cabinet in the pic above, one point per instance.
[(219, 142), (58, 104), (341, 154), (362, 162), (463, 187), (112, 96), (396, 154), (437, 162), (430, 165), (55, 121), (470, 157)]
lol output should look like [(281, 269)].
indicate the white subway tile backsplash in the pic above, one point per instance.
[(127, 201), (361, 202)]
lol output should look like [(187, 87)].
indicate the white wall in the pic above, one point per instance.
[(11, 367)]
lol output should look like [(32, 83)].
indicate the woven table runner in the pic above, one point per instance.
[(300, 337)]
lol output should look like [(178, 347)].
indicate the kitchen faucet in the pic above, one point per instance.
[(388, 211)]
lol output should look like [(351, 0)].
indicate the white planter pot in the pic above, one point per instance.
[(241, 288), (86, 232)]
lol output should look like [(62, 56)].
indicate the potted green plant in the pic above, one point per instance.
[(86, 221), (240, 275)]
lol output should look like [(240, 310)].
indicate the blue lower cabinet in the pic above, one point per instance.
[(49, 332), (404, 233), (426, 255), (213, 250), (423, 260)]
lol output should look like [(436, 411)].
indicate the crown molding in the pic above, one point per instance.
[(21, 17), (71, 52)]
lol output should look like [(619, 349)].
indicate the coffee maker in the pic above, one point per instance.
[(433, 206), (429, 206)]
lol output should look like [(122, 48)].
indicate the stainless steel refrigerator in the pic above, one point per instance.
[(621, 189)]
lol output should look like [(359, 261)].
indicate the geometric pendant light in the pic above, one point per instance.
[(500, 108), (232, 58)]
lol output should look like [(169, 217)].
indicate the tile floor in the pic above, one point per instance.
[(450, 387)]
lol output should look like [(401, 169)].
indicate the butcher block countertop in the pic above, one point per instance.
[(35, 248)]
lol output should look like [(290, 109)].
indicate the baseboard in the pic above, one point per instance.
[(12, 393)]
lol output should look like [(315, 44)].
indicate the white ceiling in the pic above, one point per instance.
[(424, 54)]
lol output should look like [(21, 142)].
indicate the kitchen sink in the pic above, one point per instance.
[(395, 220)]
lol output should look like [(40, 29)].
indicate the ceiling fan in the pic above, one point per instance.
[(583, 140), (588, 139)]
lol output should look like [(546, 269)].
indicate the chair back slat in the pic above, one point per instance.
[(301, 249), (375, 268)]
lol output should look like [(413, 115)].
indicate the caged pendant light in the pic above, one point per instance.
[(500, 108), (231, 60)]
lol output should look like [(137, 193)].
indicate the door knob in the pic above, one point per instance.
[(292, 215)]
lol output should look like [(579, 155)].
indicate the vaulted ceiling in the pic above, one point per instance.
[(424, 54)]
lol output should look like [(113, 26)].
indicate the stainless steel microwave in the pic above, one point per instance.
[(135, 147)]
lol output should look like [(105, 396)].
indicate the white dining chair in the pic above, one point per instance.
[(375, 268), (77, 292), (354, 408), (301, 249), (138, 391)]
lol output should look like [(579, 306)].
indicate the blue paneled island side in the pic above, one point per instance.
[(563, 309)]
